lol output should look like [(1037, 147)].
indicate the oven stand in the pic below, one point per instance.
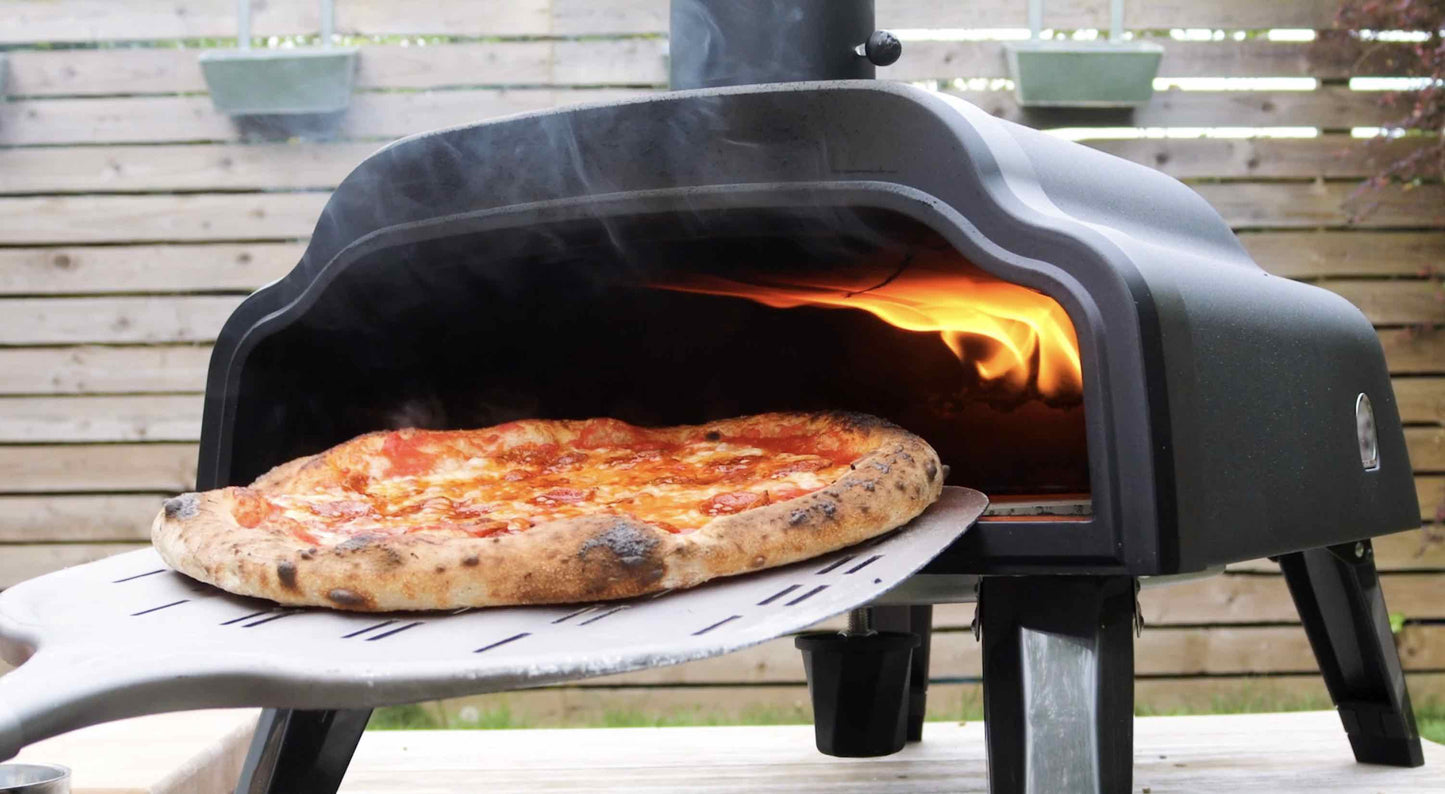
[(296, 751), (1337, 592), (1058, 682), (913, 619)]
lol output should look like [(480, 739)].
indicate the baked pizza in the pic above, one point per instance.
[(543, 511)]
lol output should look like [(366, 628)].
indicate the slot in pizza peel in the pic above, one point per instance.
[(126, 636)]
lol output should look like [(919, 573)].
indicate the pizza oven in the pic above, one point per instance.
[(1082, 338)]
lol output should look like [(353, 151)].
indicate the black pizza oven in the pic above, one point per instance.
[(742, 248)]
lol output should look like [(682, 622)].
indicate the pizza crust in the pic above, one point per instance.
[(588, 558)]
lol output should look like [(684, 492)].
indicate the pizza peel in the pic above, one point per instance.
[(126, 636)]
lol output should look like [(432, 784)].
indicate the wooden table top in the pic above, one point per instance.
[(1299, 752)]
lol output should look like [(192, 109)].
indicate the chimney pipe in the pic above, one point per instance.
[(740, 42)]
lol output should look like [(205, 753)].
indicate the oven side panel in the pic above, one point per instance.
[(1263, 374)]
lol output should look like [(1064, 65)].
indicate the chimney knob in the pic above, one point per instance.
[(882, 48)]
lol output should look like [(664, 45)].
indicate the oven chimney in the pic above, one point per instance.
[(739, 42)]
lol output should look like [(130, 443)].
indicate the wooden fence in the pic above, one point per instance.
[(133, 219)]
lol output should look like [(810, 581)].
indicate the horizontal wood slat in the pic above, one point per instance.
[(1421, 399), (107, 468), (99, 219), (1415, 349), (74, 370), (77, 517), (50, 321), (152, 417), (1394, 302), (87, 20), (1316, 204), (1325, 157), (77, 270), (161, 119), (1332, 107), (601, 62), (1321, 254), (1427, 448), (321, 166), (200, 167), (69, 419)]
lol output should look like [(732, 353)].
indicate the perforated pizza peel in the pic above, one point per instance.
[(126, 636)]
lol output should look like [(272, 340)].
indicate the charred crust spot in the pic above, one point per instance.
[(286, 574), (184, 506), (931, 469), (356, 542), (797, 517), (830, 510), (898, 485), (349, 598), (471, 561), (864, 509), (441, 569), (307, 554), (629, 544), (882, 466), (712, 435)]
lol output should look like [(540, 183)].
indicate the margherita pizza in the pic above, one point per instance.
[(541, 511)]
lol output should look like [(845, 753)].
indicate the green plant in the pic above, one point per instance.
[(1421, 110)]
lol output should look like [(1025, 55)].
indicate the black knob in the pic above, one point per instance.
[(882, 48)]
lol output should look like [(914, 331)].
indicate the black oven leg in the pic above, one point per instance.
[(1337, 592), (1058, 683), (917, 619), (295, 751)]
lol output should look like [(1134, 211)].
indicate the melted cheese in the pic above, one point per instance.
[(454, 485)]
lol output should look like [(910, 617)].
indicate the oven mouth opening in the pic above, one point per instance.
[(682, 318)]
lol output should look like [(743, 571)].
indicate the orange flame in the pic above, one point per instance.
[(1025, 327)]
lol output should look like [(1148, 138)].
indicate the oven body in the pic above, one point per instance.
[(1219, 402)]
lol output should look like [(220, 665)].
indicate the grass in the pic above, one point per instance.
[(434, 716), (1430, 716)]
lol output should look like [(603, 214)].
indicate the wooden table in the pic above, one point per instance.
[(189, 752), (1300, 752)]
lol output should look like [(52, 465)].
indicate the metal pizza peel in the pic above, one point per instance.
[(126, 636)]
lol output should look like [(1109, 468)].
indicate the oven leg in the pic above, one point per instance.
[(295, 751), (1058, 683), (1337, 592), (917, 619)]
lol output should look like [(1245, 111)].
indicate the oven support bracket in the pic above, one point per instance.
[(295, 750), (1337, 592), (1058, 683), (914, 619)]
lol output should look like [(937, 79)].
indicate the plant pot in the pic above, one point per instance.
[(277, 82), (1103, 74)]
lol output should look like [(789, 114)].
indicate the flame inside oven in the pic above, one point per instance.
[(1013, 337)]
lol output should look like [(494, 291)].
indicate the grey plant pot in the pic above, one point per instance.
[(272, 82), (1083, 73)]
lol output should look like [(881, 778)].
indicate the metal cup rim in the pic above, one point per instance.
[(58, 772)]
